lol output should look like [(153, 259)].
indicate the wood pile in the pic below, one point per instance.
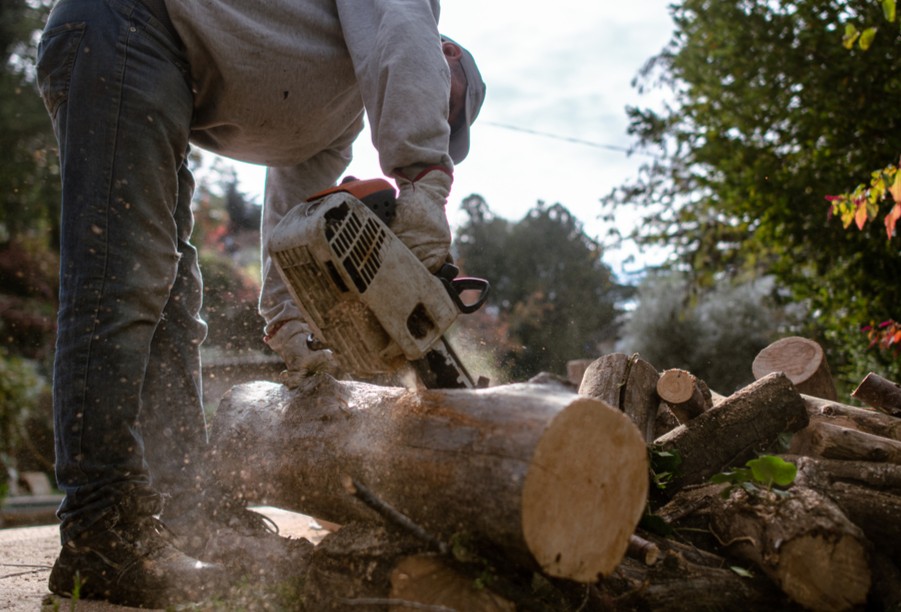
[(635, 490)]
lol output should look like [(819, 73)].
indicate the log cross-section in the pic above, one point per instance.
[(556, 480), (802, 360)]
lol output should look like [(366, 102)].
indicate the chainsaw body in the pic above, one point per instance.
[(366, 296)]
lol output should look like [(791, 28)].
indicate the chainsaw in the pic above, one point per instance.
[(365, 295)]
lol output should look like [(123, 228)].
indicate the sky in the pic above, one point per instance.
[(564, 70)]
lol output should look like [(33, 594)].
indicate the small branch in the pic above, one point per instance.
[(643, 550), (391, 514)]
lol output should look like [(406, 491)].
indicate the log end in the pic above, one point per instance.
[(585, 491), (825, 573)]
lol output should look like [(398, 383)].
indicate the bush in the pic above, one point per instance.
[(21, 390)]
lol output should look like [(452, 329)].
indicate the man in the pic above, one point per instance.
[(129, 84)]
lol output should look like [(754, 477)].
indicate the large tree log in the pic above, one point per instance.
[(627, 383), (868, 492), (737, 429), (677, 583), (802, 360), (879, 393), (802, 541), (830, 441), (863, 419), (552, 478)]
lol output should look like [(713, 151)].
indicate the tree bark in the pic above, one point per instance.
[(676, 584), (553, 479), (802, 541), (802, 360), (626, 383), (830, 441), (863, 419), (880, 393), (869, 493), (744, 424), (686, 396)]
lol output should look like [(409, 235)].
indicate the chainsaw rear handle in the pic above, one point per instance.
[(456, 285)]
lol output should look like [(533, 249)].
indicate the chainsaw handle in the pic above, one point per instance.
[(456, 285), (469, 283)]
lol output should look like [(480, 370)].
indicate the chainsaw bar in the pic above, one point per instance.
[(440, 368)]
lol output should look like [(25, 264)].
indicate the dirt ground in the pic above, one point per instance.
[(27, 554)]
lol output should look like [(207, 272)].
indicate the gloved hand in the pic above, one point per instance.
[(290, 343), (421, 222)]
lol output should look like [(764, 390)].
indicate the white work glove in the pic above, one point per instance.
[(290, 343), (421, 222)]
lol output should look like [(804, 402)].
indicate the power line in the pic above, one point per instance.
[(570, 139)]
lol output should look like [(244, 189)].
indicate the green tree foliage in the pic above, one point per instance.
[(770, 113), (551, 293), (29, 174)]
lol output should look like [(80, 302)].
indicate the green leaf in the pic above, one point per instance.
[(770, 469), (866, 38), (741, 571), (888, 9), (851, 36)]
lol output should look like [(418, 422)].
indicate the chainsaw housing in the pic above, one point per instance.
[(362, 291)]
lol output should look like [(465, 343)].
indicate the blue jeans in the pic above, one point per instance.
[(128, 414)]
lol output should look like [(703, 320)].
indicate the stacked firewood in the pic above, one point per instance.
[(628, 489), (825, 538)]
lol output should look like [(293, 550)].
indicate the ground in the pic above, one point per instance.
[(29, 552)]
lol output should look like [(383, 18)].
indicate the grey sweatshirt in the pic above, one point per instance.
[(284, 83), (279, 81)]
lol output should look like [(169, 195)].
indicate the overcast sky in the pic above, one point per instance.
[(563, 68)]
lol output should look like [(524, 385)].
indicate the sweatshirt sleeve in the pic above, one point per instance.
[(403, 78)]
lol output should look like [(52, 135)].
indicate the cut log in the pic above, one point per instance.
[(880, 393), (802, 360), (676, 584), (665, 421), (830, 441), (643, 550), (863, 419), (626, 383), (869, 493), (737, 429), (803, 542), (556, 480), (686, 396), (575, 370)]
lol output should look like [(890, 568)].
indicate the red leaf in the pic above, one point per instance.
[(891, 219)]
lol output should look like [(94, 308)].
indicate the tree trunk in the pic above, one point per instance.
[(802, 541), (802, 360), (869, 493), (879, 393), (553, 479), (627, 383), (830, 441), (863, 419), (747, 422)]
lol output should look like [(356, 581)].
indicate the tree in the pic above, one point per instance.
[(770, 113), (550, 290), (714, 335), (29, 175)]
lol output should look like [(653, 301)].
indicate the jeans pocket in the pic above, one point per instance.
[(56, 58)]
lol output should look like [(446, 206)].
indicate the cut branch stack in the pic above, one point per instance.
[(529, 496)]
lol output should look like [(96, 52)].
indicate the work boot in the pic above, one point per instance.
[(134, 563), (247, 543)]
